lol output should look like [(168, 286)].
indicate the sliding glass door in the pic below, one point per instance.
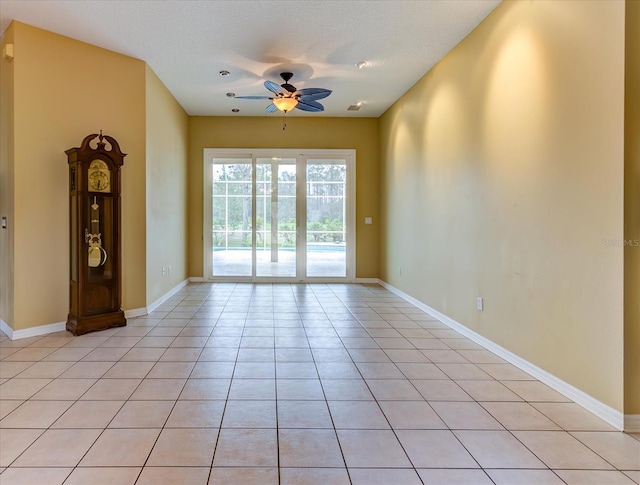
[(276, 230), (232, 216), (326, 217), (278, 215)]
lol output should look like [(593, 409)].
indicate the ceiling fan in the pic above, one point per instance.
[(286, 97)]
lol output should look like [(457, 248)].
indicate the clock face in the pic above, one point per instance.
[(99, 177)]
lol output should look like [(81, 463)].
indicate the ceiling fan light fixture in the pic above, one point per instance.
[(285, 97), (285, 104)]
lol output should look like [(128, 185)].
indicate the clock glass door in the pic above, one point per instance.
[(99, 237)]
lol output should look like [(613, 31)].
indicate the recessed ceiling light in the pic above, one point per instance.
[(231, 95), (225, 73), (235, 110), (361, 64)]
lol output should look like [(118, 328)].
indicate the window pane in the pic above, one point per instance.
[(326, 218), (276, 217), (232, 218)]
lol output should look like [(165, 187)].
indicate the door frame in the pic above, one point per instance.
[(302, 156)]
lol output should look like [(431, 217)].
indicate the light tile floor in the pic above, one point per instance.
[(291, 384)]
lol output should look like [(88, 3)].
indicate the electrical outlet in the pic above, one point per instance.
[(480, 303), (399, 270), (163, 271), (169, 270)]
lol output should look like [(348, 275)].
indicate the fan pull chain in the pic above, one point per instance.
[(284, 122)]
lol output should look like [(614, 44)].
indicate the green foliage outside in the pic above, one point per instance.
[(326, 230), (232, 197)]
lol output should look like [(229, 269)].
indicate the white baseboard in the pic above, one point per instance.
[(167, 295), (5, 328), (200, 279), (135, 312), (612, 416), (32, 331), (632, 423), (61, 326), (366, 281)]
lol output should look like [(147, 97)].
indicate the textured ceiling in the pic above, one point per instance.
[(187, 43)]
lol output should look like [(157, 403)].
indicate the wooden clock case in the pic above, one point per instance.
[(95, 286)]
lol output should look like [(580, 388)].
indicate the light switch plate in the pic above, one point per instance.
[(368, 220)]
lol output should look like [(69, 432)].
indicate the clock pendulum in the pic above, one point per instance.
[(97, 254)]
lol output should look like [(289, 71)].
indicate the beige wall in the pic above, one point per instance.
[(502, 175), (166, 190), (6, 182), (266, 132), (65, 90), (632, 210)]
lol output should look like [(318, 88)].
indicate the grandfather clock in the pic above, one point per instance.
[(94, 214)]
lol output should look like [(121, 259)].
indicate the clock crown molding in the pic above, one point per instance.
[(108, 147)]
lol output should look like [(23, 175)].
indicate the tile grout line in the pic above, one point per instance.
[(175, 401), (326, 403)]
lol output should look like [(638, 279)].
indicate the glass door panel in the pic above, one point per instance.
[(276, 217), (232, 217), (326, 217)]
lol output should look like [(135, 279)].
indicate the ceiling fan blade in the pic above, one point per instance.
[(271, 108), (273, 87), (253, 97), (313, 93), (309, 105)]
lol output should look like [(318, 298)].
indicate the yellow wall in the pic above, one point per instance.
[(6, 182), (65, 90), (502, 175), (632, 210), (166, 190), (266, 132)]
